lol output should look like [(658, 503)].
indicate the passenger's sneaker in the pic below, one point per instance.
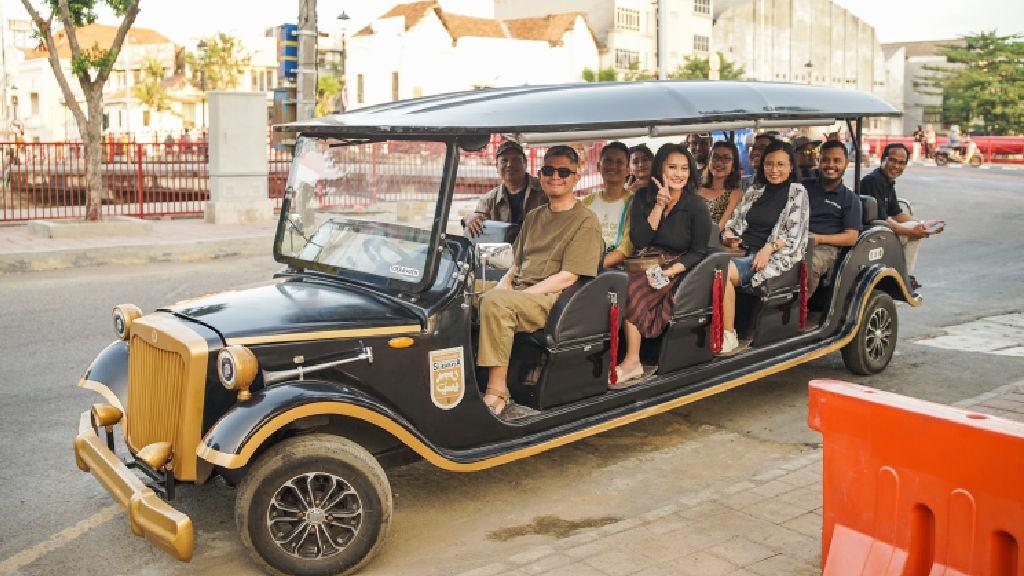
[(730, 341)]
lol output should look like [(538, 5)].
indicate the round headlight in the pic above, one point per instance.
[(124, 315), (236, 366)]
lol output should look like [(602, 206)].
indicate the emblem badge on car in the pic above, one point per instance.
[(876, 254), (447, 377), (154, 336)]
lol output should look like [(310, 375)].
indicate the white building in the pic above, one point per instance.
[(921, 108), (419, 49), (627, 30), (809, 41)]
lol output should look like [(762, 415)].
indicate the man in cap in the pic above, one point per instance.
[(806, 151), (514, 198), (700, 147)]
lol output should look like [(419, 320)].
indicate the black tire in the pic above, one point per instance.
[(871, 348), (277, 487), (976, 161), (941, 159)]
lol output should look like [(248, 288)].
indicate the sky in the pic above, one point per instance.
[(899, 21)]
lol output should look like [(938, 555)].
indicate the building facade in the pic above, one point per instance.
[(627, 30), (920, 109), (419, 50), (810, 41)]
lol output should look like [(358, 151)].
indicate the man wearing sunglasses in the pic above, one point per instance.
[(881, 183), (806, 151), (511, 200), (557, 244)]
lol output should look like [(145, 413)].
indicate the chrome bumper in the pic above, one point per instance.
[(151, 517)]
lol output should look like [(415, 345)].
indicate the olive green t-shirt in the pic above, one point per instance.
[(551, 242)]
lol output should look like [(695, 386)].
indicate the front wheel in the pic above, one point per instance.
[(941, 159), (316, 504), (871, 348), (976, 160)]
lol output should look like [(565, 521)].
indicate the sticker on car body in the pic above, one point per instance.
[(447, 377), (876, 254)]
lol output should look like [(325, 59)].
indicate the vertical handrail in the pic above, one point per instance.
[(138, 153)]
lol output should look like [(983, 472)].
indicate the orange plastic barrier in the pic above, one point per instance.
[(914, 488)]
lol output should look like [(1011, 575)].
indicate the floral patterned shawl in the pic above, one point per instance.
[(791, 229)]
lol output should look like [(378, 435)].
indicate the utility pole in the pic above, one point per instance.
[(305, 81), (662, 34)]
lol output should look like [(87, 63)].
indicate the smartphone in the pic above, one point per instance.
[(659, 280), (937, 227)]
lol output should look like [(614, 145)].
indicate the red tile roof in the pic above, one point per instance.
[(96, 34)]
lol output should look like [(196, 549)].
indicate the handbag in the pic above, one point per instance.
[(641, 262)]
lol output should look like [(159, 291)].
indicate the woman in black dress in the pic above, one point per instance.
[(667, 217)]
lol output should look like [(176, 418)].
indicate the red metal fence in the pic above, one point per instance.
[(47, 180), (997, 149)]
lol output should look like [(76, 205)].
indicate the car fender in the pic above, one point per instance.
[(233, 440), (108, 375)]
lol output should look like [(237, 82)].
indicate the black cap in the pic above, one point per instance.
[(509, 145)]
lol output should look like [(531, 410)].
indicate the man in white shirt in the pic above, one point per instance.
[(611, 204)]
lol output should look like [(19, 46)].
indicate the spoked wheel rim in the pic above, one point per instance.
[(314, 515), (879, 334)]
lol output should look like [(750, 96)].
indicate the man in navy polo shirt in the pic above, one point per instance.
[(835, 219)]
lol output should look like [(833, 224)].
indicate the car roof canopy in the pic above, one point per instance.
[(606, 109)]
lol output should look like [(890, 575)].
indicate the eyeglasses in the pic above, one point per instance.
[(720, 158), (551, 170)]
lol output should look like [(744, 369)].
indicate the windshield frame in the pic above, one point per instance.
[(437, 234)]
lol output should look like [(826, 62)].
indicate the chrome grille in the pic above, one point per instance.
[(156, 379)]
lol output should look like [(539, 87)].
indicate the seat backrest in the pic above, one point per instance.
[(496, 231), (582, 309), (869, 209), (694, 292)]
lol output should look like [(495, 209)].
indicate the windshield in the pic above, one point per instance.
[(362, 209)]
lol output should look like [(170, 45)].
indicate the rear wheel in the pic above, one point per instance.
[(941, 159), (976, 160), (316, 504), (871, 348)]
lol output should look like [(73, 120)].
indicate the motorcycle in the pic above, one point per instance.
[(946, 154)]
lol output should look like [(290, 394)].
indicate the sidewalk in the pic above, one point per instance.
[(768, 525)]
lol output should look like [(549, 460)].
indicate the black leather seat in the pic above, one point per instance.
[(868, 209), (581, 312), (687, 339)]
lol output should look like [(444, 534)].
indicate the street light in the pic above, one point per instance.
[(201, 48), (344, 54)]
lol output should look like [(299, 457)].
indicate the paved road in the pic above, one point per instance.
[(59, 520)]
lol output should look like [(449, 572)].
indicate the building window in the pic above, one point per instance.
[(33, 98), (394, 86), (627, 19), (701, 43), (188, 113), (702, 6), (359, 88), (625, 59), (146, 115)]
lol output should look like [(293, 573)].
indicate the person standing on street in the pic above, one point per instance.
[(929, 142), (881, 183), (514, 198), (918, 142)]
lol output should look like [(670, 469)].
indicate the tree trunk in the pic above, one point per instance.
[(92, 136)]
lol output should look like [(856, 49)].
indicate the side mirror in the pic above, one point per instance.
[(493, 255)]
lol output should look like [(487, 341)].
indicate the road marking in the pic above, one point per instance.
[(1000, 335), (58, 540)]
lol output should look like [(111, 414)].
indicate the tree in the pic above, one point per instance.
[(222, 63), (983, 83), (700, 69), (150, 92), (328, 88), (91, 65)]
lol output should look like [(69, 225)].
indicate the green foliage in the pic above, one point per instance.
[(635, 74), (225, 58), (982, 85), (150, 92), (82, 11), (603, 75), (328, 88), (700, 69)]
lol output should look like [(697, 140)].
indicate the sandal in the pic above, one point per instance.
[(626, 380), (498, 406)]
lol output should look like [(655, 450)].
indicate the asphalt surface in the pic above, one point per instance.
[(60, 520)]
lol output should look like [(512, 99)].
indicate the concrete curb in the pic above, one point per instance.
[(188, 251)]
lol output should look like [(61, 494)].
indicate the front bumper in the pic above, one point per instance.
[(151, 517)]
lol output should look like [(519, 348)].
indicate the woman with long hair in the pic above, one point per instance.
[(720, 187), (770, 223), (667, 218), (640, 160)]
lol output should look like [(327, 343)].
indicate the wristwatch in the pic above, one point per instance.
[(776, 247)]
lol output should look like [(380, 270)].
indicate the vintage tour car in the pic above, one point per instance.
[(359, 354)]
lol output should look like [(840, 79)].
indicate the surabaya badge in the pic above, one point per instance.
[(447, 377)]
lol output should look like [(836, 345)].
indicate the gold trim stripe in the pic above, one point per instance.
[(238, 460), (103, 391), (324, 335)]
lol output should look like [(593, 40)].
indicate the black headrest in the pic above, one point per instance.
[(496, 231), (869, 208)]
